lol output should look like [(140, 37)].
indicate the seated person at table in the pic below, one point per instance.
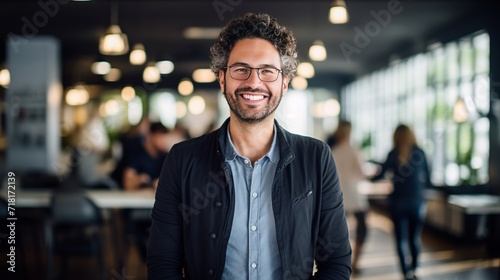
[(141, 173), (143, 167), (125, 146)]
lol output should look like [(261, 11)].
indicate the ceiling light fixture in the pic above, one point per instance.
[(299, 83), (165, 66), (204, 75), (151, 74), (317, 51), (127, 93), (306, 70), (4, 78), (100, 67), (113, 75), (113, 42), (338, 12), (138, 55), (464, 110), (78, 95), (185, 87), (201, 32), (331, 108), (196, 105)]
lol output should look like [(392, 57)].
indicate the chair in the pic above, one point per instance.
[(26, 226), (74, 227), (138, 226)]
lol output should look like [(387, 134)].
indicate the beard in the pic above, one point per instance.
[(248, 113)]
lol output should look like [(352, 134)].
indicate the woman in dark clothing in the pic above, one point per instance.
[(407, 165)]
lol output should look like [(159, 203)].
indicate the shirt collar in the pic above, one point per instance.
[(231, 153)]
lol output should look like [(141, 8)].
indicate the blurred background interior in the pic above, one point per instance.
[(75, 76)]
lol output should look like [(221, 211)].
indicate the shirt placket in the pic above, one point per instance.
[(253, 221)]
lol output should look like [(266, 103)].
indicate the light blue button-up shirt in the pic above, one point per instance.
[(252, 251)]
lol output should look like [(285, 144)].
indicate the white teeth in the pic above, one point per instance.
[(253, 97)]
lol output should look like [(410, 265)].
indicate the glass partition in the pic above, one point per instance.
[(443, 94)]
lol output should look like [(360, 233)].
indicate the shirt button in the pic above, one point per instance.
[(218, 204), (254, 265), (253, 228), (213, 235), (246, 161), (254, 194), (210, 272)]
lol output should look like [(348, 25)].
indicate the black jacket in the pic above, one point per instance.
[(194, 207), (409, 180)]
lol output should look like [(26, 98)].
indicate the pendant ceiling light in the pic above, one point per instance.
[(4, 78), (151, 74), (317, 51), (305, 70), (78, 95), (138, 55), (113, 42), (185, 87), (204, 75), (338, 12)]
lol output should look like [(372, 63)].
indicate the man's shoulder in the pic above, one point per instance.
[(200, 142), (304, 140)]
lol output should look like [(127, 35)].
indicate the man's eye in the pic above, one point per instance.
[(241, 70), (268, 71)]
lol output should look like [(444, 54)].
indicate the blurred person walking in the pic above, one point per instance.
[(407, 167), (349, 162)]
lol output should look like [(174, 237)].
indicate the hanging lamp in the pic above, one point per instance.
[(113, 41)]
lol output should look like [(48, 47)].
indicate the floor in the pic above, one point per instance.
[(442, 258)]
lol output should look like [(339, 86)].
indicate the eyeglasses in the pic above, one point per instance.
[(265, 74)]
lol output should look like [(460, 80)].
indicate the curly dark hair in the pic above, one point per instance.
[(252, 25)]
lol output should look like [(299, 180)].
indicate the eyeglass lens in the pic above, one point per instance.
[(265, 74)]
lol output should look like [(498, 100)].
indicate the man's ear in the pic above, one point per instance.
[(286, 81), (221, 80)]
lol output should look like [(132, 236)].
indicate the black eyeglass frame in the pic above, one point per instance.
[(280, 71)]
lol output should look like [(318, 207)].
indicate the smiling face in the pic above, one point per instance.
[(253, 100)]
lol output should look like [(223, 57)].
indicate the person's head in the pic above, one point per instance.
[(140, 129), (254, 41), (343, 132), (158, 136), (404, 140)]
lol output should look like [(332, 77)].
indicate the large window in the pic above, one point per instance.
[(443, 94)]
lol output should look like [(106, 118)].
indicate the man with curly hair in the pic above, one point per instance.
[(250, 200)]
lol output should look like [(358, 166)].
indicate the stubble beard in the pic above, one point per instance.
[(252, 117)]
